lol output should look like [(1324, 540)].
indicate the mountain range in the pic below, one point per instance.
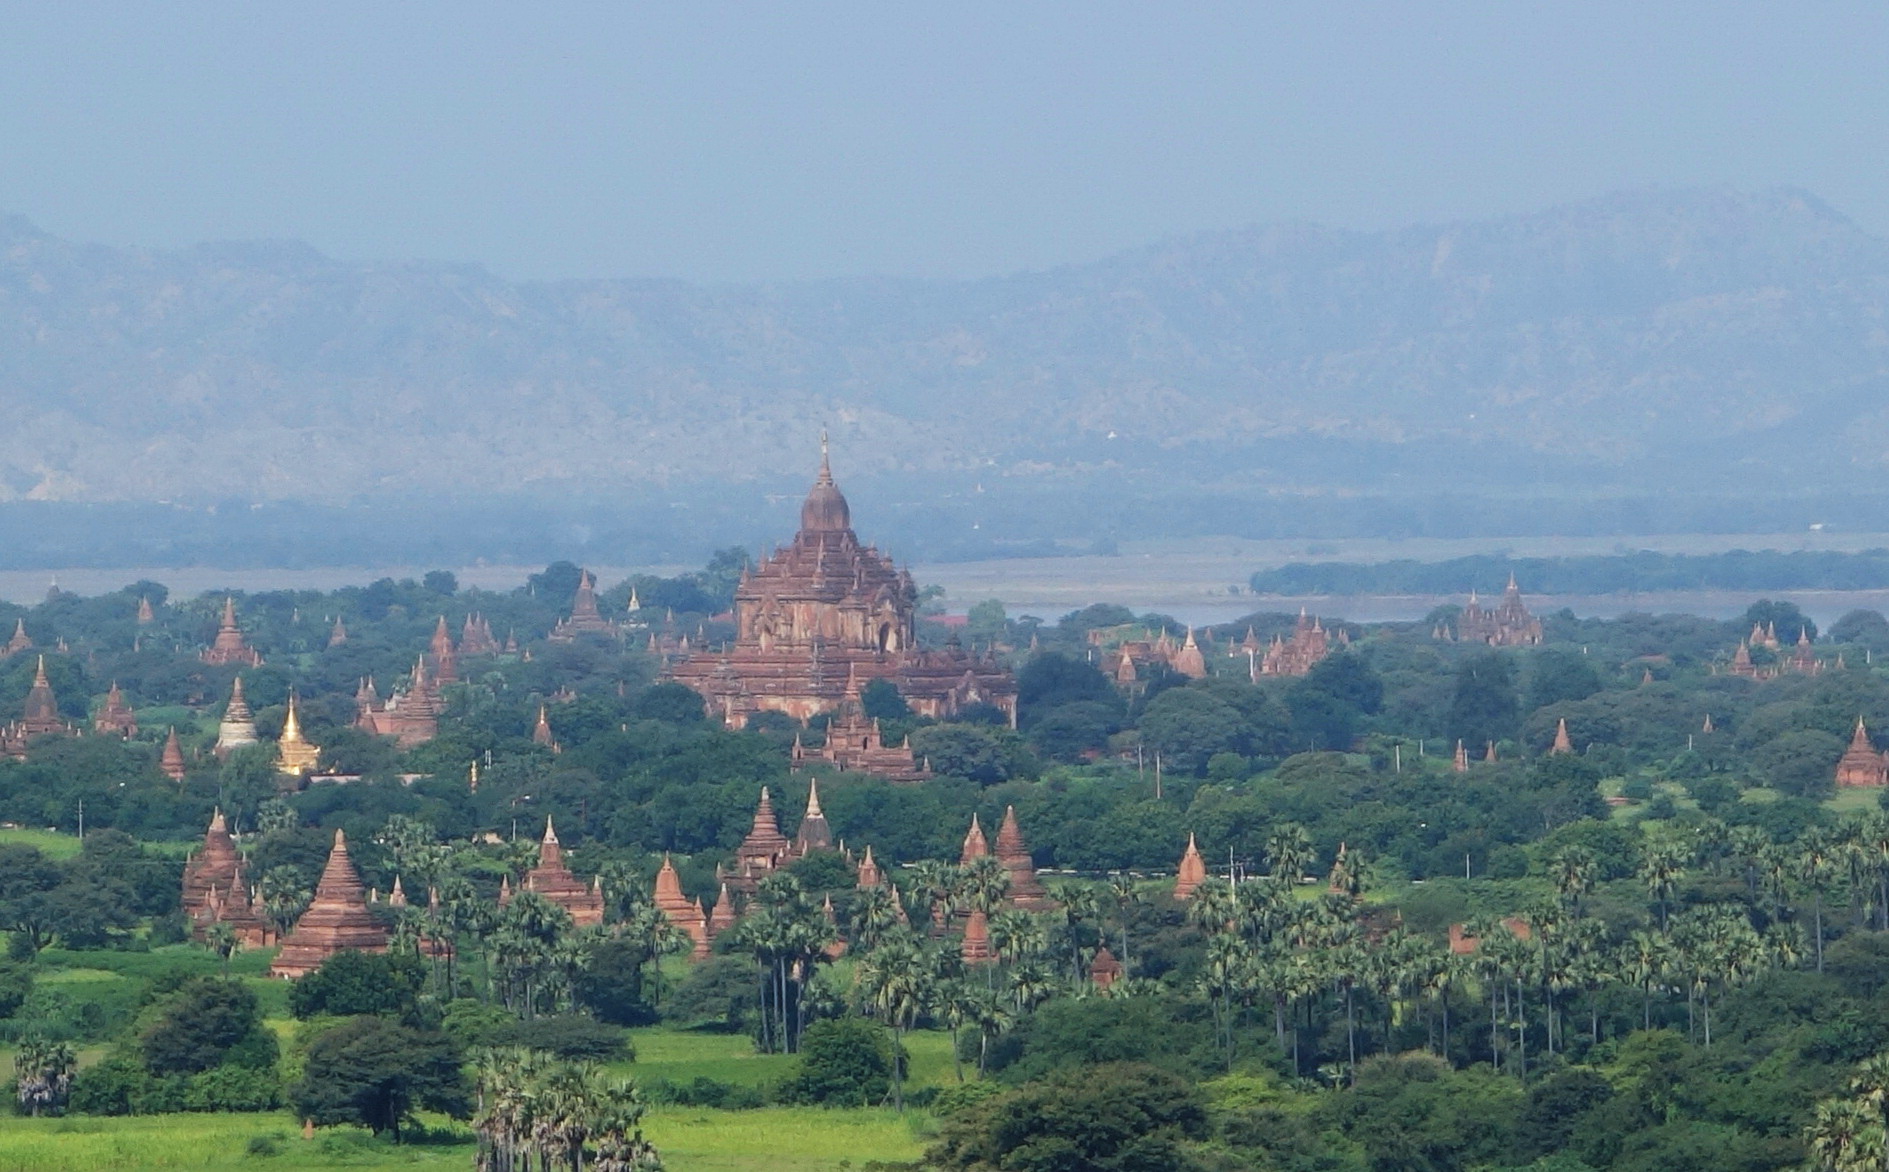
[(1715, 339)]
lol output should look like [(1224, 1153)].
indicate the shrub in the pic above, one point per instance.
[(352, 983), (1110, 1118), (201, 1024), (572, 1037), (844, 1062)]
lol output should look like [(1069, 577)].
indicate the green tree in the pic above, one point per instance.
[(376, 1073), (1121, 1117), (42, 1073), (349, 984), (198, 1027), (845, 1062), (1484, 707)]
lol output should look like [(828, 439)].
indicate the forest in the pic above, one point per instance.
[(1638, 572), (1661, 944)]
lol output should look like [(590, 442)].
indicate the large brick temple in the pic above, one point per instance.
[(824, 610)]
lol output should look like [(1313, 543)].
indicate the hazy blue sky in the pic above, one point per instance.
[(804, 139)]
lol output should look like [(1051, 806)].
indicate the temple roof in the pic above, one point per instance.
[(825, 510)]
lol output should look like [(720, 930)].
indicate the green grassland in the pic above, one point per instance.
[(50, 843), (690, 1140)]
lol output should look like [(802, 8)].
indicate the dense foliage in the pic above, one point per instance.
[(1663, 948)]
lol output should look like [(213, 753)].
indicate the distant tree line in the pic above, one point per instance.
[(1640, 571)]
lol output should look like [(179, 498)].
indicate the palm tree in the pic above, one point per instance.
[(1845, 1137), (1122, 887), (1816, 867), (285, 896), (1031, 983), (1644, 962), (933, 882), (875, 916), (222, 940), (981, 885), (1223, 978), (985, 1009), (1870, 1085), (1289, 853), (957, 1006), (1017, 934), (1661, 868), (1573, 869), (895, 980), (43, 1071)]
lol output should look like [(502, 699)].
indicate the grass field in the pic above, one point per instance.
[(690, 1140), (51, 843)]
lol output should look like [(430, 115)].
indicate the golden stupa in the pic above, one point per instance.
[(295, 756)]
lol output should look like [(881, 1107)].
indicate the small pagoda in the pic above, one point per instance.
[(814, 834), (229, 646), (554, 881), (39, 717), (216, 892), (764, 849), (295, 755), (336, 921), (1193, 871), (679, 909), (445, 660), (238, 726), (172, 761), (1026, 891), (115, 716), (585, 618), (1861, 766)]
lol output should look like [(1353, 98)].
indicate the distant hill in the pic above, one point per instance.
[(1696, 337)]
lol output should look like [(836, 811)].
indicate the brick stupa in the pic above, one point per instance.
[(336, 921), (814, 834), (975, 845), (1861, 764), (229, 647), (172, 762), (680, 910), (445, 659), (116, 716), (1026, 891), (215, 890), (869, 875), (1104, 970), (554, 881), (975, 948), (1193, 871), (764, 849)]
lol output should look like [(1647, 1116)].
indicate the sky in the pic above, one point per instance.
[(788, 141)]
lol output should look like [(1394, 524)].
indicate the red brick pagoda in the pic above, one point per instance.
[(553, 880), (229, 647), (825, 609), (39, 717), (337, 920), (115, 716), (410, 717), (1861, 764), (216, 892)]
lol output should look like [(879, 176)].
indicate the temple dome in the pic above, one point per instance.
[(825, 510)]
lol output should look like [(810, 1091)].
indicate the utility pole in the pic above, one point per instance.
[(81, 819)]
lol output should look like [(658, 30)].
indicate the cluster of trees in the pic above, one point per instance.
[(1639, 572), (1394, 963)]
